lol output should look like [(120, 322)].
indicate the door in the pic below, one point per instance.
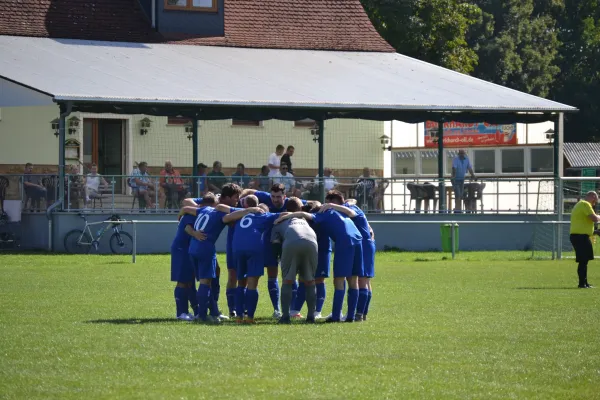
[(103, 145)]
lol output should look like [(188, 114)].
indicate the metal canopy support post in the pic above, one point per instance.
[(321, 125), (65, 110), (195, 153), (558, 163), (442, 186)]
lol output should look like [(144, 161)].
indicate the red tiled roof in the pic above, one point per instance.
[(282, 24)]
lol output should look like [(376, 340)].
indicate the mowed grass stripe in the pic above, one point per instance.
[(476, 327)]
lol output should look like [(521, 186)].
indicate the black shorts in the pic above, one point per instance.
[(583, 247)]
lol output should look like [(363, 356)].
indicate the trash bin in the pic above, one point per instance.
[(446, 231)]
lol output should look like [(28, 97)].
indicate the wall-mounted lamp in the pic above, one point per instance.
[(189, 129), (55, 123), (550, 135), (145, 125), (385, 143), (314, 131), (73, 125)]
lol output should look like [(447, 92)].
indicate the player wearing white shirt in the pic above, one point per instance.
[(275, 160)]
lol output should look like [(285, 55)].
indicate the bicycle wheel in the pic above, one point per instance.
[(78, 242), (121, 243)]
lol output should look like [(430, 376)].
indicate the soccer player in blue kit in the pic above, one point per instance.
[(211, 221), (368, 247), (248, 252), (182, 269), (276, 201), (348, 260)]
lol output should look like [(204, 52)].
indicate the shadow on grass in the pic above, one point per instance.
[(133, 321), (546, 288)]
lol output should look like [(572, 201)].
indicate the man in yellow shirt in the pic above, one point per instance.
[(583, 218)]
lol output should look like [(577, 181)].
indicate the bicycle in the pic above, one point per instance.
[(80, 241)]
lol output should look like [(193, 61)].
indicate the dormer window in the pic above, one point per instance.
[(192, 5)]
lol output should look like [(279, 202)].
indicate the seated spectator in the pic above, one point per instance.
[(286, 179), (262, 181), (365, 188), (216, 178), (33, 187), (202, 182), (329, 180), (240, 177), (92, 184), (173, 185), (142, 185)]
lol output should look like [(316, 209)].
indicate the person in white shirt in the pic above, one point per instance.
[(92, 184), (275, 160), (286, 179), (329, 180)]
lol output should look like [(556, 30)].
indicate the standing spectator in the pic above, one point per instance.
[(583, 218), (286, 158), (172, 184), (365, 186), (202, 181), (287, 180), (262, 181), (34, 189), (92, 184), (142, 185), (460, 166), (275, 160), (240, 177), (216, 178)]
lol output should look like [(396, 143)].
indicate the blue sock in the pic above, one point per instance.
[(240, 293), (338, 302), (294, 294), (321, 295), (193, 298), (300, 297), (368, 303), (273, 286), (251, 301), (231, 299), (181, 301), (352, 303), (363, 295), (245, 306), (215, 289), (203, 294)]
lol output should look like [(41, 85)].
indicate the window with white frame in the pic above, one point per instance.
[(541, 160), (484, 161), (513, 161), (404, 163), (429, 162), (192, 5)]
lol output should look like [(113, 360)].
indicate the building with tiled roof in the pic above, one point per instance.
[(281, 24)]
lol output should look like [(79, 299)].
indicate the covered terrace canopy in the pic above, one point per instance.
[(204, 83)]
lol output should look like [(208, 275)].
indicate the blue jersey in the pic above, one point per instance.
[(250, 231), (182, 239), (323, 241), (209, 221), (360, 221), (338, 227), (264, 197)]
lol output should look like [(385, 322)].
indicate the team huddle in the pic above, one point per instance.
[(264, 231)]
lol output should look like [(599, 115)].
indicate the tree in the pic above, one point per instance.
[(521, 50), (430, 30)]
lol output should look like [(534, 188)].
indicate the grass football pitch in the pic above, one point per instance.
[(483, 326)]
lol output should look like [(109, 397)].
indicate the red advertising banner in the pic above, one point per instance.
[(459, 134)]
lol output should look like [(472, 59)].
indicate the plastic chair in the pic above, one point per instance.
[(417, 193)]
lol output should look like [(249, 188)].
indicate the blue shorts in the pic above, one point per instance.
[(269, 257), (249, 264), (323, 264), (205, 265), (368, 248), (182, 269), (348, 261)]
